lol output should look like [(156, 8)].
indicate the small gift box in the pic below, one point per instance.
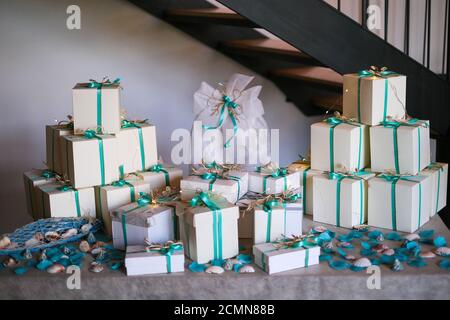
[(154, 258), (438, 172), (96, 105), (137, 146), (208, 227), (31, 180), (339, 145), (271, 179), (402, 147), (140, 220), (53, 143), (400, 203), (90, 159), (341, 199), (371, 96), (285, 255), (160, 176), (60, 200)]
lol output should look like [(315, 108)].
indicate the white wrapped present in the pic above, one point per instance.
[(438, 173), (372, 96), (54, 153), (160, 176), (400, 203), (31, 180), (402, 147), (339, 145), (271, 179)]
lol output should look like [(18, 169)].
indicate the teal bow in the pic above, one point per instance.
[(267, 207), (90, 134), (144, 199), (47, 174), (166, 250), (212, 165), (160, 168), (66, 188), (278, 173), (122, 182), (137, 125)]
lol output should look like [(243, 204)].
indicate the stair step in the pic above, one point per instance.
[(319, 75), (331, 102), (210, 16)]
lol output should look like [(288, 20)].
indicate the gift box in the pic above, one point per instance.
[(140, 260), (60, 200), (135, 222), (438, 173), (402, 147), (160, 176), (96, 106), (271, 179), (31, 180), (372, 96), (275, 257), (399, 203), (341, 199), (339, 145), (245, 221), (306, 184), (208, 228), (231, 185), (137, 146), (53, 144), (90, 159)]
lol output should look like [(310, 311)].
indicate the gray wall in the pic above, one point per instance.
[(161, 68)]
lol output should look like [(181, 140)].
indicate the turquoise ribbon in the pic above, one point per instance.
[(90, 134), (305, 175), (77, 199), (168, 251), (99, 86), (122, 182), (143, 200), (267, 207), (213, 176), (160, 168), (228, 105), (278, 173), (439, 168), (133, 124)]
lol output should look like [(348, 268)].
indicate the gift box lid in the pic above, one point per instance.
[(192, 182), (60, 127), (373, 78), (408, 125), (168, 168), (141, 125), (405, 179), (86, 86), (270, 249), (36, 175), (137, 215), (135, 182), (82, 138), (136, 254)]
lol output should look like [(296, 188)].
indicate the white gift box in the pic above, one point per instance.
[(137, 147), (90, 161), (273, 185), (139, 262), (154, 222), (339, 147), (404, 205), (162, 176), (209, 235), (53, 146), (31, 180), (438, 172), (403, 150), (59, 200), (379, 98), (342, 200), (234, 186), (114, 196), (273, 260), (96, 108), (306, 184)]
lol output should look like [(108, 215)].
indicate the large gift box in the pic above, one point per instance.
[(96, 106), (339, 145), (31, 180), (402, 147), (341, 199), (277, 257), (271, 179), (153, 259), (135, 222), (401, 203), (137, 146), (53, 146), (208, 228), (90, 159), (160, 176), (60, 200), (438, 173), (372, 96)]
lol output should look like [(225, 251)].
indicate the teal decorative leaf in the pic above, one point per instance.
[(426, 234), (325, 257), (444, 264), (440, 242), (418, 263), (374, 234), (394, 236), (244, 258), (339, 264), (196, 267), (20, 270)]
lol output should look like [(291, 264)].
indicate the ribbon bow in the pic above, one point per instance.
[(166, 249), (105, 82), (144, 199), (398, 123), (90, 134), (65, 188), (272, 170), (203, 198), (374, 71), (292, 242), (132, 123), (47, 174)]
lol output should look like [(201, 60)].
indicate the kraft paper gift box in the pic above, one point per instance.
[(399, 203), (140, 261), (96, 106), (135, 222), (245, 221), (160, 176), (438, 172), (341, 199), (53, 146), (371, 99), (339, 146), (59, 200), (400, 147), (272, 259), (278, 181), (137, 146), (90, 160), (31, 180), (209, 234), (231, 186)]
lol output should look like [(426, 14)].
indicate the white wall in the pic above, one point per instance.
[(161, 68)]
